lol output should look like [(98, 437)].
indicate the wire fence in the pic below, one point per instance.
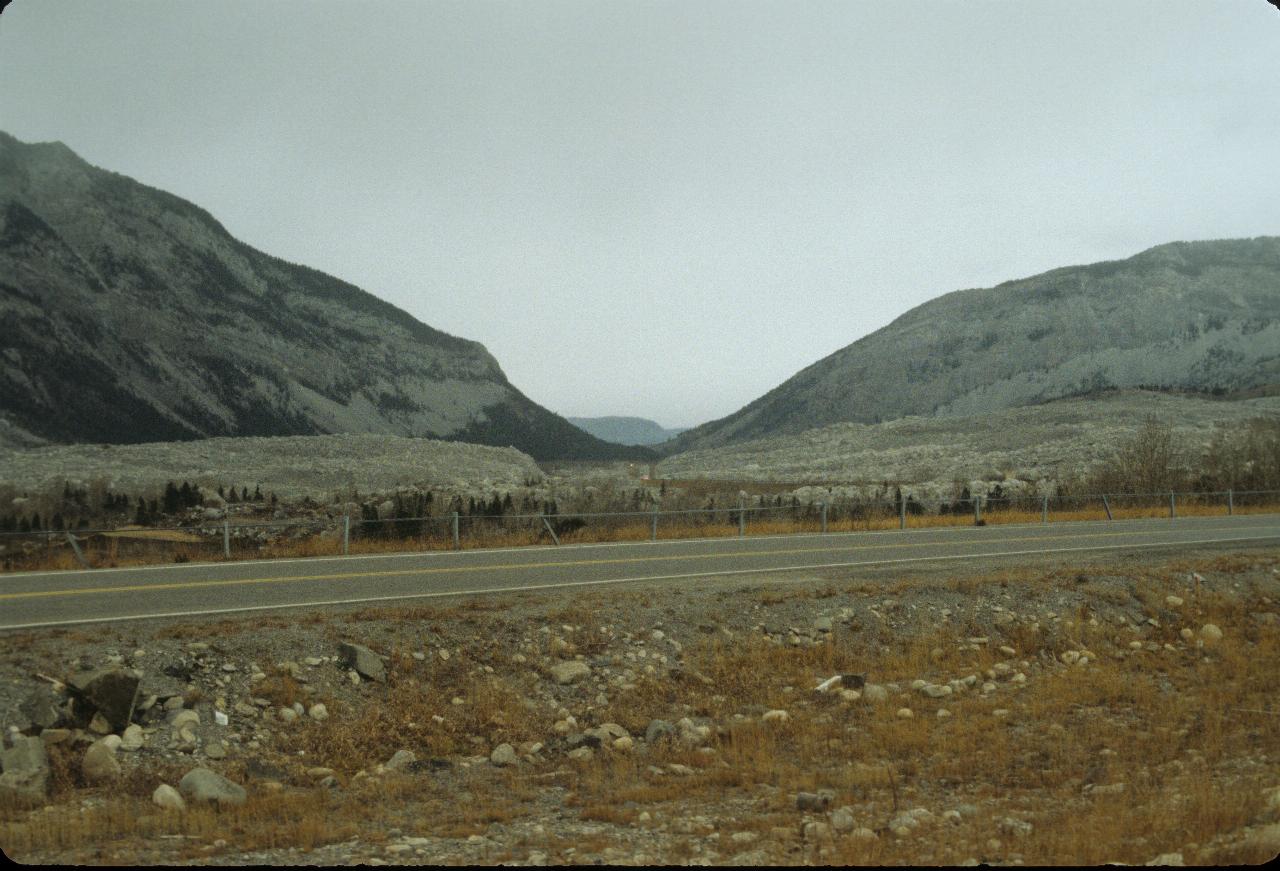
[(236, 539)]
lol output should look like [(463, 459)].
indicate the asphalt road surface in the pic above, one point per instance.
[(33, 600)]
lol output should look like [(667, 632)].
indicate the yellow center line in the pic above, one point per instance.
[(342, 576)]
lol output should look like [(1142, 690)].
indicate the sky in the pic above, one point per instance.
[(665, 209)]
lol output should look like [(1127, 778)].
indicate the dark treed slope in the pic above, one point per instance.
[(1201, 316), (129, 315)]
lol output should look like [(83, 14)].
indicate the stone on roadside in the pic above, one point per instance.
[(201, 784), (132, 739), (842, 819), (99, 764), (169, 798), (657, 730), (25, 766), (318, 711), (875, 693), (111, 692), (1210, 634), (401, 759), (504, 755), (362, 660), (569, 672)]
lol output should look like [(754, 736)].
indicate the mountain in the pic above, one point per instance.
[(1198, 316), (130, 315), (626, 430)]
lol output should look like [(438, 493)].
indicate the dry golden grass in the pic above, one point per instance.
[(114, 552), (1194, 740)]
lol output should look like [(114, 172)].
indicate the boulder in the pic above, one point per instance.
[(570, 672), (110, 692), (365, 662), (504, 755), (99, 764), (657, 730), (201, 784), (41, 709), (169, 798), (401, 759), (25, 767)]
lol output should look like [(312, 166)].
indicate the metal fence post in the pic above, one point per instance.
[(653, 528), (1044, 509), (977, 509), (226, 538), (456, 544), (902, 510), (1173, 512), (824, 517), (547, 524), (742, 519), (1230, 502), (75, 548), (1106, 506), (346, 534)]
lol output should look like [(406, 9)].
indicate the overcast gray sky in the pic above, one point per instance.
[(666, 209)]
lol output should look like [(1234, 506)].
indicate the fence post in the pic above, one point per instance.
[(1044, 509), (824, 517), (75, 548), (1230, 502), (902, 510), (1173, 512), (226, 538), (977, 509), (742, 519), (547, 524), (346, 534), (456, 544), (653, 528), (1106, 506)]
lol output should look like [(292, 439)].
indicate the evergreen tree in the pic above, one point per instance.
[(257, 493), (171, 498), (57, 523)]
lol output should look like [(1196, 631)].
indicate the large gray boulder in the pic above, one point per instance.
[(41, 709), (111, 692), (570, 672), (24, 772), (100, 764), (363, 660), (203, 785)]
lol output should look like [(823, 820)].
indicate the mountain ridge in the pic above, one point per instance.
[(626, 430), (133, 315), (1183, 315)]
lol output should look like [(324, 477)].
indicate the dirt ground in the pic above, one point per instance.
[(1109, 709)]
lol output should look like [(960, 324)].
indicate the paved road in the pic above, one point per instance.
[(113, 595)]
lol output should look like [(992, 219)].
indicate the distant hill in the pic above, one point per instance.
[(1200, 316), (131, 315), (625, 430)]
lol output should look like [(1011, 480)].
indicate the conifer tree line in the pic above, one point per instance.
[(75, 509)]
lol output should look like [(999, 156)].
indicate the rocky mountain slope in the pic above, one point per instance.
[(626, 430), (1187, 315), (1019, 448), (130, 315)]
